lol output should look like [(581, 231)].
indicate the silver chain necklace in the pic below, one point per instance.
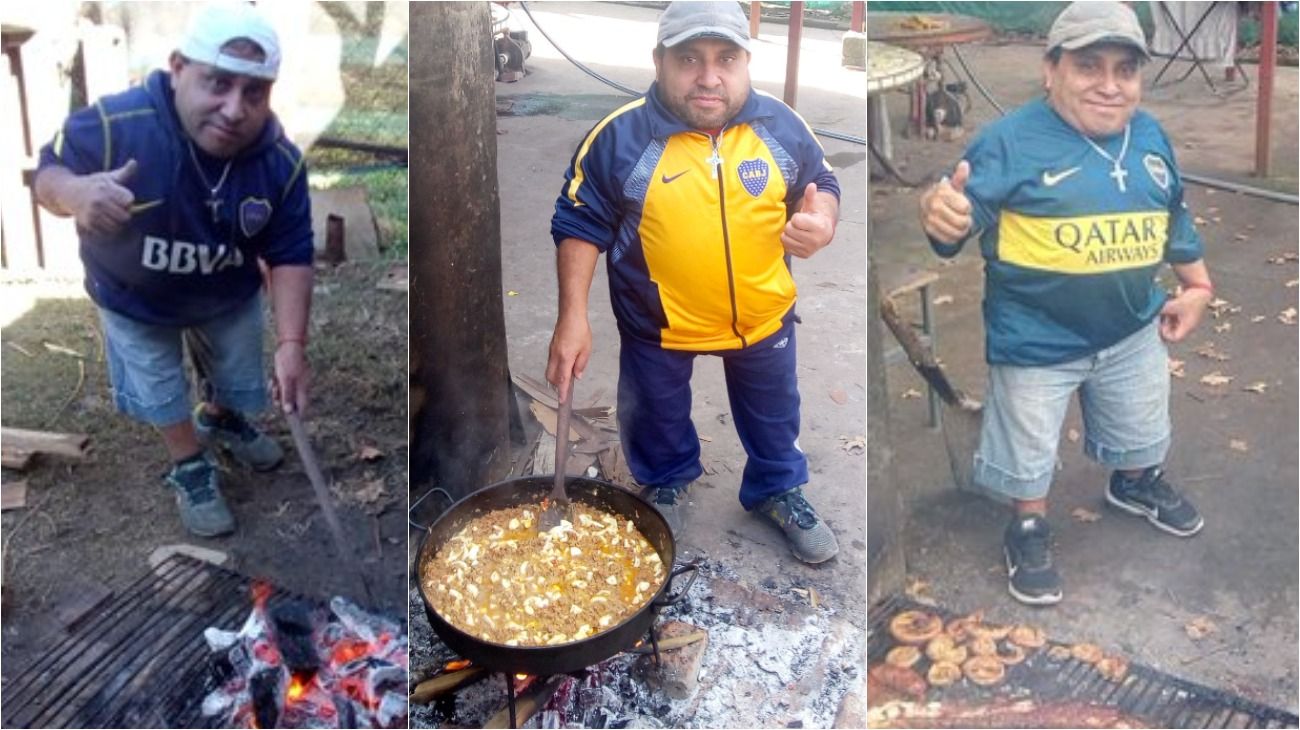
[(213, 202), (1117, 163)]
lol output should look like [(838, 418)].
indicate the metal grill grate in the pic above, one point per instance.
[(1145, 693), (140, 660)]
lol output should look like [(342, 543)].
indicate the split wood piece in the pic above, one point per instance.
[(613, 468), (72, 445), (397, 278), (681, 654), (431, 689), (526, 704), (547, 417), (670, 643), (13, 495), (536, 390), (544, 454), (15, 458)]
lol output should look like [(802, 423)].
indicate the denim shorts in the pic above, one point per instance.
[(1123, 394), (146, 364)]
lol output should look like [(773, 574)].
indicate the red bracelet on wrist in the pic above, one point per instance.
[(1207, 286)]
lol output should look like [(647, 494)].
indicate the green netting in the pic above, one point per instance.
[(1035, 18)]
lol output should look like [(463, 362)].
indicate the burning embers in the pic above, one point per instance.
[(297, 665)]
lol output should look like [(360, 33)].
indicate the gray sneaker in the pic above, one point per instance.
[(198, 495), (232, 432), (810, 538), (671, 503)]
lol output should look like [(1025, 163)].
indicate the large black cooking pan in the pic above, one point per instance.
[(575, 655)]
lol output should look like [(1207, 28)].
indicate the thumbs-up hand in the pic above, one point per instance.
[(101, 202), (812, 227), (945, 209)]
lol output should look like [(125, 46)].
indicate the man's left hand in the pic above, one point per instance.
[(809, 230), (292, 377), (1181, 314)]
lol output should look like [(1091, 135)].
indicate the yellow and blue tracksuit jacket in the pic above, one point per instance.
[(179, 263), (691, 223), (1070, 256)]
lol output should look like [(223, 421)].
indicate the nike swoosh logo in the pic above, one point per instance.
[(1050, 180), (667, 179)]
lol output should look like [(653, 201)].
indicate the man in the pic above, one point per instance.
[(179, 188), (698, 192), (1077, 201)]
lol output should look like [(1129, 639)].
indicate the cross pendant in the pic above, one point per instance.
[(1119, 173), (214, 204), (716, 162)]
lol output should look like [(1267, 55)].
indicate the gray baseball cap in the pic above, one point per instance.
[(683, 21), (1084, 23)]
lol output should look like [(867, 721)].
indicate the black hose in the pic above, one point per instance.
[(978, 86), (829, 134)]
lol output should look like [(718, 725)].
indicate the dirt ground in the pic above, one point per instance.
[(91, 525), (1128, 587)]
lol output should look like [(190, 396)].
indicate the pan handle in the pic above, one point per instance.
[(693, 568), (410, 511)]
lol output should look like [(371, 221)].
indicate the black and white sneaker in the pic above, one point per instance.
[(1152, 497), (1031, 577)]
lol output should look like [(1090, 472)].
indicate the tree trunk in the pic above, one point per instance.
[(460, 395)]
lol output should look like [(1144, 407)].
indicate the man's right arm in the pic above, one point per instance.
[(575, 263), (99, 202), (946, 212)]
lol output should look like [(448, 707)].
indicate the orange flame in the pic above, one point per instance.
[(345, 652), (296, 689), (521, 677), (455, 665)]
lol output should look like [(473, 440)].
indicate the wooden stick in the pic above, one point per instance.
[(526, 705), (63, 444), (431, 689), (672, 642)]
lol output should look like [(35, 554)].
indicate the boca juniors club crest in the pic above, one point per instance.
[(753, 175), (254, 214), (1157, 169)]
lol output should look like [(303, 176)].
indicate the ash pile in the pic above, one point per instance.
[(766, 659), (296, 664)]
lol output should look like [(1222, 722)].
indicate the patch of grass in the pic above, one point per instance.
[(375, 112), (386, 189)]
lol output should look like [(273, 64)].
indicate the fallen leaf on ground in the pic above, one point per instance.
[(1287, 316), (1199, 221), (369, 453), (1072, 435), (855, 445), (1200, 627), (1238, 445), (1216, 378), (1176, 367), (1258, 318), (1241, 237), (1207, 351), (839, 396), (1223, 327), (1259, 387), (814, 597), (371, 492), (910, 393), (916, 587), (512, 293), (1084, 515), (942, 299)]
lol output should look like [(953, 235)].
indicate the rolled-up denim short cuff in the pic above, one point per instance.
[(1139, 458), (250, 401), (1000, 481), (166, 413)]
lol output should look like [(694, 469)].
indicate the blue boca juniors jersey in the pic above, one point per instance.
[(178, 263), (1070, 257)]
